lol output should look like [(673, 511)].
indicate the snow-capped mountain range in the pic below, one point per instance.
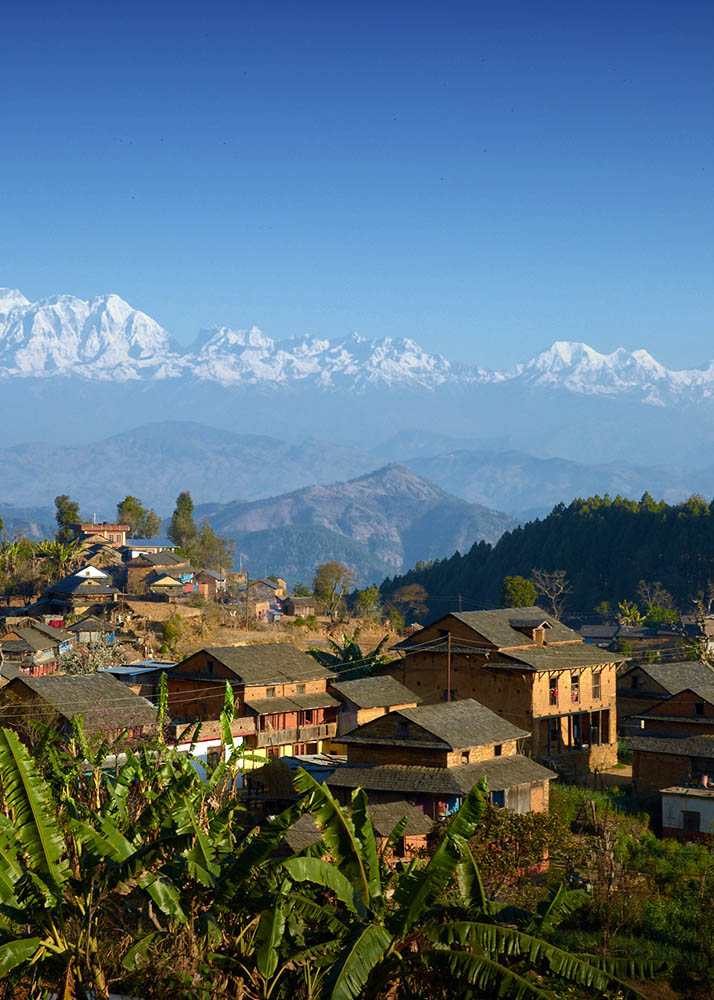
[(106, 339)]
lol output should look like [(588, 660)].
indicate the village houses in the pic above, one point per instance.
[(530, 669)]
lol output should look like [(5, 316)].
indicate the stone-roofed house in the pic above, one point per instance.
[(283, 689), (528, 667), (687, 713), (148, 567), (368, 698), (210, 584), (433, 755), (659, 762), (641, 687), (91, 630), (35, 652), (107, 707), (80, 591)]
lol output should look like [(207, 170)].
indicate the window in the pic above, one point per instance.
[(575, 688), (498, 798), (635, 682), (596, 684), (699, 708), (209, 666), (307, 717), (690, 821), (273, 751), (498, 750), (465, 756), (553, 690), (300, 689), (402, 729), (270, 692)]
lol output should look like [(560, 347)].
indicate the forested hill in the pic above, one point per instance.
[(605, 546)]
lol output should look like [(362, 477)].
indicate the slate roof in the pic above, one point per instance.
[(497, 626), (386, 815), (58, 634), (160, 559), (375, 692), (36, 640), (88, 624), (703, 691), (104, 702), (454, 724), (566, 657), (501, 772), (674, 677), (292, 703), (688, 746), (212, 573), (9, 670), (81, 585), (269, 663), (303, 833)]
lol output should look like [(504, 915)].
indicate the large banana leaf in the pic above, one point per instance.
[(487, 975), (627, 968), (326, 875), (338, 832), (365, 833), (14, 953), (361, 953), (28, 801), (494, 941), (268, 937), (564, 902), (253, 852), (416, 891)]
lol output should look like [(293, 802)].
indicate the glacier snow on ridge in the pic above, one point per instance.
[(106, 339)]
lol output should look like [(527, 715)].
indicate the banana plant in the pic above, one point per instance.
[(380, 934), (59, 883)]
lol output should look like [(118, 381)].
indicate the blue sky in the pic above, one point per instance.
[(485, 178)]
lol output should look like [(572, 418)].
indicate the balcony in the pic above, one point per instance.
[(301, 734)]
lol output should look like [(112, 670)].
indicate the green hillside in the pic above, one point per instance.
[(295, 552), (605, 546)]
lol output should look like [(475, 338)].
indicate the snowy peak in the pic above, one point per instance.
[(102, 338), (105, 338), (11, 298)]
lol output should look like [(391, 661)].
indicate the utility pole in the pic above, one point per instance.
[(247, 591), (448, 666), (459, 602)]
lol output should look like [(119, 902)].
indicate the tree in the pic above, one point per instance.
[(554, 586), (142, 523), (628, 613), (652, 593), (66, 515), (659, 617), (368, 604), (348, 654), (61, 557), (182, 530), (517, 592), (208, 550), (89, 659), (332, 580), (301, 590)]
